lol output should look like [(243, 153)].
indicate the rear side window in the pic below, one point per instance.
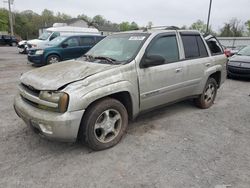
[(194, 46), (87, 41), (72, 42), (166, 47), (214, 46)]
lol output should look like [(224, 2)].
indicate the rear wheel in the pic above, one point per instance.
[(104, 124), (206, 99), (13, 44), (53, 59)]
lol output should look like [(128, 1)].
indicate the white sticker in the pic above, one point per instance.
[(137, 38)]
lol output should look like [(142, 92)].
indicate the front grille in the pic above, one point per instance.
[(31, 90), (238, 70), (31, 96)]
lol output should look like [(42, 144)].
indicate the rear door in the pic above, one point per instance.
[(196, 60), (86, 43)]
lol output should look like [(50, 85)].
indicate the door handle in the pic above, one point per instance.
[(178, 70), (207, 64)]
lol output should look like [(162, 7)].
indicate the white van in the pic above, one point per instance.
[(53, 32)]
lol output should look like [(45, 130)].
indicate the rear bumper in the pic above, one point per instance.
[(52, 125), (238, 71)]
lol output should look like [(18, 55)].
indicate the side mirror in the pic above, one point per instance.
[(152, 60), (64, 45)]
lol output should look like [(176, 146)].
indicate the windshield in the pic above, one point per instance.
[(119, 47), (56, 41), (45, 35), (245, 51)]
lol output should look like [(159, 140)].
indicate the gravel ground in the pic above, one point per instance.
[(176, 146)]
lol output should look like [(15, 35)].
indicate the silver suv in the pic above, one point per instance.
[(93, 97)]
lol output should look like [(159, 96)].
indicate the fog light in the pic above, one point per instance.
[(45, 128)]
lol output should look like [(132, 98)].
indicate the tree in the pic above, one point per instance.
[(233, 28), (248, 26), (47, 17), (4, 22), (99, 20)]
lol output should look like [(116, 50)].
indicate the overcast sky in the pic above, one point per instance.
[(160, 12)]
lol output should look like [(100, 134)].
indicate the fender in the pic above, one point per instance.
[(86, 99)]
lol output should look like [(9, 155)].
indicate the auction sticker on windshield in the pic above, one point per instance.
[(137, 38)]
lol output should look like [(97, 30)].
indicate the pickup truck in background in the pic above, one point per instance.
[(93, 98)]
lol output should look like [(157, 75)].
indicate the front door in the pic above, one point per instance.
[(161, 84), (71, 48)]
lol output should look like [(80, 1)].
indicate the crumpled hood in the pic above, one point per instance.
[(53, 77), (240, 58)]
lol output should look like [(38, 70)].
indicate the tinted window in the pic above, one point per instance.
[(193, 46), (72, 42), (166, 47), (87, 41), (202, 47), (190, 46), (214, 46), (6, 37)]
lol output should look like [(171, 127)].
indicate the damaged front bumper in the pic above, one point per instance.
[(52, 125)]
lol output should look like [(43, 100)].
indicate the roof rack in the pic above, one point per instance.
[(162, 27)]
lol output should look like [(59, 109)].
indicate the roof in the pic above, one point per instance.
[(163, 31)]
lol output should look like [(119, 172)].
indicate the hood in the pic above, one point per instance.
[(55, 76), (22, 42), (35, 41), (240, 58)]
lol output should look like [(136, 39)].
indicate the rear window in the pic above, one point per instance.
[(194, 46), (214, 46)]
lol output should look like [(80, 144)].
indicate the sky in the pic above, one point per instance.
[(160, 12)]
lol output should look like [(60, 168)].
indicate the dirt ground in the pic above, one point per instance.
[(177, 146)]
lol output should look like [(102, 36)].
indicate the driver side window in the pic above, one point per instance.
[(54, 35), (165, 46)]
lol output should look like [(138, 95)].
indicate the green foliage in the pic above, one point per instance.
[(248, 27), (4, 20), (202, 27), (126, 26), (233, 28)]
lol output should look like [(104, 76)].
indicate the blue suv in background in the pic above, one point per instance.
[(63, 48)]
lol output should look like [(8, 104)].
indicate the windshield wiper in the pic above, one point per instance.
[(88, 57), (111, 60)]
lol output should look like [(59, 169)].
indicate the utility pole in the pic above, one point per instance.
[(10, 2), (208, 17)]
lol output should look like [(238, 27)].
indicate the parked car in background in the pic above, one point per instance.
[(53, 32), (63, 48), (93, 98), (235, 49), (239, 64), (8, 40), (22, 47)]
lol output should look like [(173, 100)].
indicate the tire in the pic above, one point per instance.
[(103, 124), (13, 44), (52, 59), (206, 99)]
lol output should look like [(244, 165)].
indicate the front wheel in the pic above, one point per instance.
[(206, 99), (53, 59), (104, 124)]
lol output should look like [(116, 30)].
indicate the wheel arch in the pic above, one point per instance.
[(52, 53)]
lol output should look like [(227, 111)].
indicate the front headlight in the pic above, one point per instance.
[(39, 52), (59, 98)]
